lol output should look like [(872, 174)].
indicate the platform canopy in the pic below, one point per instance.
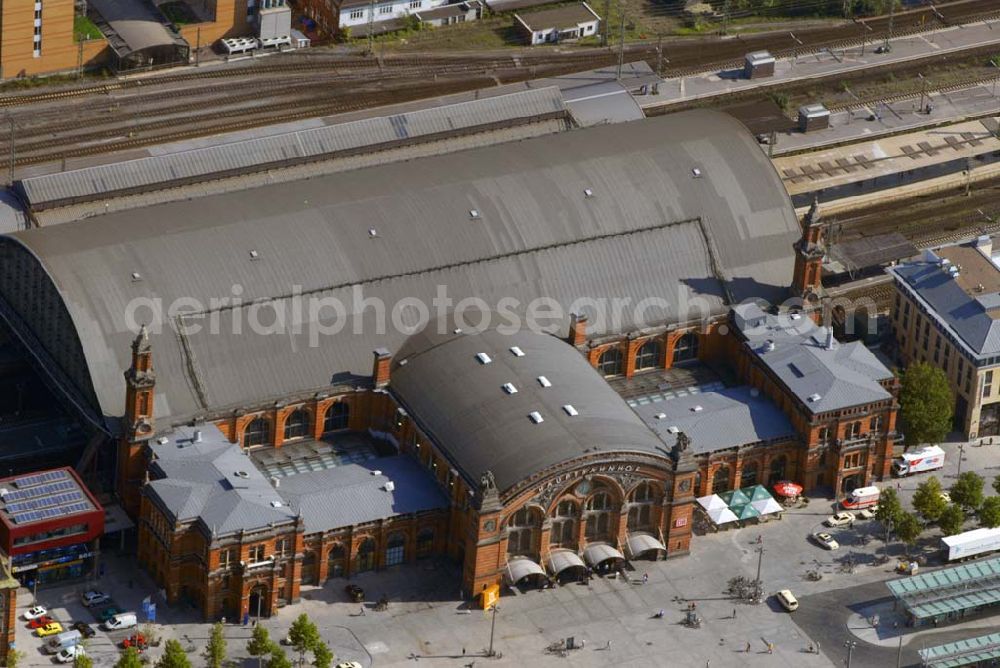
[(598, 553), (561, 560), (966, 652), (639, 543), (520, 568)]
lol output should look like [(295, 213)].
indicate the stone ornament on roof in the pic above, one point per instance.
[(683, 442), (487, 482)]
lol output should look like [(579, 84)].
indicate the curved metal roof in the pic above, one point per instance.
[(650, 229), (469, 409), (136, 23)]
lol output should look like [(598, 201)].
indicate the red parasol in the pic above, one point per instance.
[(787, 488)]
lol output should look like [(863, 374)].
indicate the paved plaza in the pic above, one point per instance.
[(427, 624)]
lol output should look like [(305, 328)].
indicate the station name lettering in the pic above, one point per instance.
[(579, 473)]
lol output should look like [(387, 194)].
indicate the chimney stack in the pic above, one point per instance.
[(577, 329), (829, 338), (380, 369)]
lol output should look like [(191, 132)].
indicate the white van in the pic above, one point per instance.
[(787, 600), (125, 620), (66, 639)]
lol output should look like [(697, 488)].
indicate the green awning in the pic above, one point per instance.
[(757, 493), (735, 498), (950, 590), (745, 511), (962, 652)]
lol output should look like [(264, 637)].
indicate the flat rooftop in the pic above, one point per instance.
[(666, 381), (977, 275), (44, 496), (309, 455), (714, 418)]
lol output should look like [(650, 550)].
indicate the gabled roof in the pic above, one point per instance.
[(652, 228), (823, 374), (212, 482), (482, 424)]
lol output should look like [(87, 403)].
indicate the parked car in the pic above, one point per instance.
[(868, 513), (69, 654), (35, 612), (946, 497), (94, 597), (787, 600), (121, 622), (840, 520), (355, 593), (825, 540), (85, 629), (50, 629), (136, 640), (39, 622), (108, 613), (348, 664)]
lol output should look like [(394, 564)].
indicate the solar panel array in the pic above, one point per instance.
[(39, 478), (49, 513), (40, 490), (45, 502)]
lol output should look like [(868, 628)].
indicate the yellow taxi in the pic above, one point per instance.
[(49, 629)]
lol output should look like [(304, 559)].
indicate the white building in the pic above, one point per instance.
[(559, 24), (355, 13)]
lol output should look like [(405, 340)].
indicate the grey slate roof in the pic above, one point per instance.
[(846, 375), (728, 418), (964, 316), (203, 482), (461, 404), (650, 230), (351, 494)]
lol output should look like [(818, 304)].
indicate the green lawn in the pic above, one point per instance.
[(84, 29)]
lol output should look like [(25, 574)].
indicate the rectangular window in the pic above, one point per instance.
[(357, 13), (416, 4), (256, 554), (281, 547), (853, 460), (987, 384), (225, 558), (385, 9)]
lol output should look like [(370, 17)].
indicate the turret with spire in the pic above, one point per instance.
[(809, 252), (137, 423)]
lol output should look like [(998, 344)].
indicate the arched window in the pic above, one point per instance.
[(521, 530), (425, 542), (297, 424), (599, 521), (777, 469), (686, 348), (640, 517), (610, 362), (599, 501), (337, 417), (257, 432), (395, 549), (642, 493), (720, 480), (335, 561), (366, 555), (563, 531), (649, 355), (748, 476)]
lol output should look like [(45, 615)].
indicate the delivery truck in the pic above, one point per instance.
[(929, 458), (862, 497), (970, 544)]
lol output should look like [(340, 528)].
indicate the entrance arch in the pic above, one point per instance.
[(309, 574), (720, 480), (259, 603), (851, 483)]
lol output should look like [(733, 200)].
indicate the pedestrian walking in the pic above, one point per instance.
[(645, 578), (770, 648), (362, 613), (463, 651), (746, 650), (734, 613), (608, 646)]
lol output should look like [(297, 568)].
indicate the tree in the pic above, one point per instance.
[(304, 636), (129, 659), (996, 484), (928, 500), (951, 520), (968, 491), (260, 643), (908, 529), (322, 656), (926, 404), (82, 661), (173, 656), (888, 512), (278, 659), (14, 658), (989, 512), (215, 651)]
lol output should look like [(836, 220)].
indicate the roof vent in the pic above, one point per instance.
[(196, 438), (376, 472), (544, 382), (696, 173), (673, 429), (242, 474), (588, 193), (814, 398), (696, 409), (4, 492), (829, 339), (474, 214), (509, 388), (163, 440), (457, 330), (372, 233), (276, 481), (254, 255), (276, 504), (389, 486), (769, 346), (516, 351), (570, 410), (136, 276), (796, 316), (483, 358), (536, 417), (660, 416), (403, 362)]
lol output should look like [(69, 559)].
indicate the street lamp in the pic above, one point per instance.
[(493, 627), (850, 645), (961, 456), (758, 589)]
